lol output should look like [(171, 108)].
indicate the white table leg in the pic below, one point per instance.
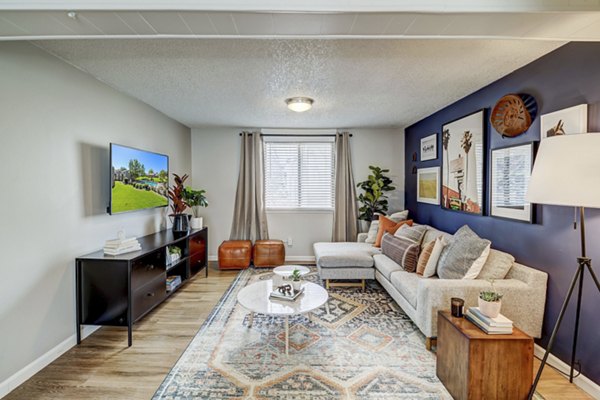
[(250, 319), (287, 335)]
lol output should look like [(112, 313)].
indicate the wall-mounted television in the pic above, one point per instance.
[(139, 179)]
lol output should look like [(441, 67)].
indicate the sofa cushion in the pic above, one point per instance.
[(385, 265), (433, 234), (372, 233), (401, 250), (344, 254), (407, 284), (399, 216), (387, 225), (465, 250), (431, 267), (412, 233), (424, 257), (497, 265)]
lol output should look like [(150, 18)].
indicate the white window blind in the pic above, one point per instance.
[(299, 173)]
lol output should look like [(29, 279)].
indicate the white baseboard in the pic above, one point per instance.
[(37, 365), (583, 382), (307, 259)]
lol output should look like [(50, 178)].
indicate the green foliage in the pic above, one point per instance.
[(174, 250), (296, 275), (490, 295), (162, 176), (195, 199), (133, 197), (136, 169), (374, 199)]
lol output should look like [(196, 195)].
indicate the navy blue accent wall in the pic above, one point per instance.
[(566, 77)]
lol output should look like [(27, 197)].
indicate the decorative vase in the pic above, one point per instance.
[(196, 223), (181, 223), (296, 285), (490, 308)]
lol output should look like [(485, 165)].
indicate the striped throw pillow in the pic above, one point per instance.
[(402, 251), (424, 257)]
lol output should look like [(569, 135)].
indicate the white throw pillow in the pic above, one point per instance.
[(478, 264), (372, 233), (399, 216), (431, 267)]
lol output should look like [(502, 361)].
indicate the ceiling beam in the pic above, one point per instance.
[(336, 6)]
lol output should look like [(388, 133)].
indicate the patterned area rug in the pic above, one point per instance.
[(365, 348)]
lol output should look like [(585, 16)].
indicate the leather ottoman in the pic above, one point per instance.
[(235, 254), (268, 253)]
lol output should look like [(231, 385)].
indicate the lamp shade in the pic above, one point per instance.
[(566, 171)]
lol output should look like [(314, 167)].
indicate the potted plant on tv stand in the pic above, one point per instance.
[(195, 199), (178, 205)]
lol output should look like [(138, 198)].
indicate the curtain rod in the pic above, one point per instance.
[(301, 135)]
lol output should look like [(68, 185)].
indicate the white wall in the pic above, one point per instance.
[(55, 126), (215, 163)]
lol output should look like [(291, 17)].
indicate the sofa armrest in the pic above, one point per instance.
[(362, 237), (522, 303)]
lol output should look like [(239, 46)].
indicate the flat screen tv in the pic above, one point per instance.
[(139, 179)]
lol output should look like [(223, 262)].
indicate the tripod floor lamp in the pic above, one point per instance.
[(567, 173)]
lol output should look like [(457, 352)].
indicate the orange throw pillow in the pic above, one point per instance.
[(387, 225)]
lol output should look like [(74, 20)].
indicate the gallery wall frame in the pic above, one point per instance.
[(429, 147), (428, 185), (567, 121), (464, 151), (510, 170)]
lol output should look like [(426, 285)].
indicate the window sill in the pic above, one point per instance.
[(299, 211)]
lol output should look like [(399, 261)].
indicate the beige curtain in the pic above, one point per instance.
[(249, 216), (345, 215)]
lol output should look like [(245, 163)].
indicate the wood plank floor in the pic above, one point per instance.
[(103, 367)]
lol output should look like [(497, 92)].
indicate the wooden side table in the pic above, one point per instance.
[(474, 365)]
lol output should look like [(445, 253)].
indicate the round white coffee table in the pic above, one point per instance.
[(286, 270), (255, 298)]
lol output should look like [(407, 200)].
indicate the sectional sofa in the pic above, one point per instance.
[(524, 288)]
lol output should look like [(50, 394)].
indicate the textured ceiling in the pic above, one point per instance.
[(243, 82)]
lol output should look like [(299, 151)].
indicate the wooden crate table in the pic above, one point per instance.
[(474, 365)]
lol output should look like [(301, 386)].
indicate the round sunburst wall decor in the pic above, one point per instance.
[(513, 114)]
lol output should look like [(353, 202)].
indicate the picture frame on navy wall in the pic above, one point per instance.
[(464, 139), (515, 183), (429, 148)]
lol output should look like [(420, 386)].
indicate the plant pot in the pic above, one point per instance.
[(181, 223), (296, 285), (196, 223), (490, 308)]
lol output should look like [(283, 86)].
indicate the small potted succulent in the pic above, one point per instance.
[(296, 279), (195, 199), (490, 302)]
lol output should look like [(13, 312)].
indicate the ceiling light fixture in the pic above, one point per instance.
[(299, 104)]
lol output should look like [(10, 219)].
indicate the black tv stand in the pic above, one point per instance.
[(120, 290)]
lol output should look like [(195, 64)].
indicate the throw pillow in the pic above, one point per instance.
[(497, 265), (424, 257), (464, 252), (399, 216), (432, 263), (387, 225), (414, 233), (402, 251), (372, 233)]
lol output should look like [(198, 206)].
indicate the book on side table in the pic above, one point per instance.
[(492, 326)]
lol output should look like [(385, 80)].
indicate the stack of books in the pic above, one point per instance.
[(173, 282), (492, 326), (289, 296), (115, 247)]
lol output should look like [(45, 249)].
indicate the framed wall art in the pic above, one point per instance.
[(565, 122), (428, 185), (429, 148), (510, 169), (463, 163)]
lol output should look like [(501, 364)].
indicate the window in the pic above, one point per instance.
[(299, 173)]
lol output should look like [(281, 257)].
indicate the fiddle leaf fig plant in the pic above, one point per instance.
[(374, 199)]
